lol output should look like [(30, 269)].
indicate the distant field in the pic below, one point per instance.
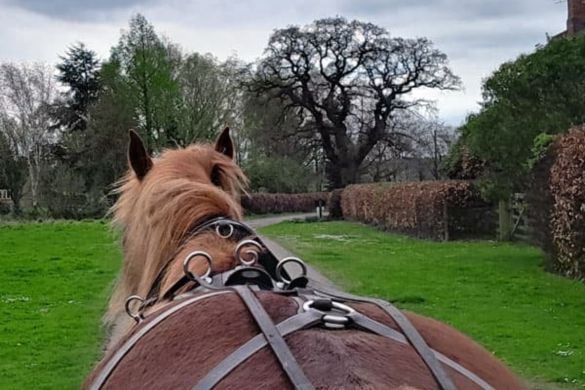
[(497, 293), (54, 280)]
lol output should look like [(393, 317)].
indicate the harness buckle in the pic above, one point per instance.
[(330, 309)]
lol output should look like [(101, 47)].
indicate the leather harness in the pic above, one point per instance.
[(321, 307)]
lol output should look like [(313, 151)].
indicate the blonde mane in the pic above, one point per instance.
[(182, 188)]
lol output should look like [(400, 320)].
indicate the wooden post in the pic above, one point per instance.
[(445, 222)]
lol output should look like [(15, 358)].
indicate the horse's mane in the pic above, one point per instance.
[(183, 188)]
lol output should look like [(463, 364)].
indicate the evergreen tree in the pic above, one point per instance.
[(79, 72)]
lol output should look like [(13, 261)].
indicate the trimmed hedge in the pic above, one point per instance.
[(264, 203), (564, 237), (437, 210)]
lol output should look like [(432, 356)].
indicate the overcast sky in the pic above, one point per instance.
[(477, 35)]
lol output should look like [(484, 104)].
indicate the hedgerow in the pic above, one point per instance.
[(567, 218), (438, 210), (265, 203)]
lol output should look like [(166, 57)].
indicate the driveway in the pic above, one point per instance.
[(281, 252)]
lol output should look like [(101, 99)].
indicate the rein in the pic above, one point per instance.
[(321, 306)]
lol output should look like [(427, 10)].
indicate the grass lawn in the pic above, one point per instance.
[(55, 278), (54, 282), (496, 293)]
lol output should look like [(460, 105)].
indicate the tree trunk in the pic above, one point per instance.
[(505, 220), (343, 174), (33, 178)]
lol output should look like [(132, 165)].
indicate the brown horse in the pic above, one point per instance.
[(182, 341)]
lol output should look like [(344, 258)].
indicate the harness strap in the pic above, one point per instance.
[(366, 323), (274, 338), (419, 344), (153, 294), (412, 335), (286, 327), (99, 381), (305, 320)]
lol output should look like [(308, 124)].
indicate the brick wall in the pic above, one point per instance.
[(576, 19)]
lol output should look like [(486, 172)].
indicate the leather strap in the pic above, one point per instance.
[(366, 323), (305, 320), (288, 326), (274, 338), (412, 335), (99, 381), (153, 294)]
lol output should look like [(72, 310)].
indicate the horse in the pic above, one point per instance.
[(211, 307)]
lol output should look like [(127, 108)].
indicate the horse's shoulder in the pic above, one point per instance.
[(464, 350)]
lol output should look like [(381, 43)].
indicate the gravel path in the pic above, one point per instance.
[(281, 252)]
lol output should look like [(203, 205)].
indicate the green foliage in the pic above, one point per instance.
[(206, 89), (460, 164), (13, 170), (91, 161), (55, 281), (279, 174), (146, 72), (537, 93), (66, 195), (541, 144), (496, 293), (79, 72)]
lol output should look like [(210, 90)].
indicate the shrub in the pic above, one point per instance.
[(279, 175), (438, 210), (567, 219), (263, 203)]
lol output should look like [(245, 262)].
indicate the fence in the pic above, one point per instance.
[(521, 223), (5, 196)]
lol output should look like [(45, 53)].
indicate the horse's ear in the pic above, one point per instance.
[(138, 157), (224, 143)]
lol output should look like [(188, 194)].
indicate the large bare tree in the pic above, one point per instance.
[(348, 80), (26, 93)]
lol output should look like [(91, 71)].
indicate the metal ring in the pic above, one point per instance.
[(190, 257), (241, 245), (291, 259), (138, 315), (336, 305), (330, 325), (219, 233), (334, 319)]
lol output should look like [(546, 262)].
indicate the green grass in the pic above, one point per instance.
[(55, 278), (54, 282), (496, 293)]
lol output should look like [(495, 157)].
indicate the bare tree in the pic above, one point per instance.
[(349, 79), (26, 93), (433, 141), (205, 90)]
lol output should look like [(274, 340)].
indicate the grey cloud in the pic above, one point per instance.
[(450, 9), (477, 35), (74, 9)]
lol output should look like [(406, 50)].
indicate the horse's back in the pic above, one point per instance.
[(187, 345)]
